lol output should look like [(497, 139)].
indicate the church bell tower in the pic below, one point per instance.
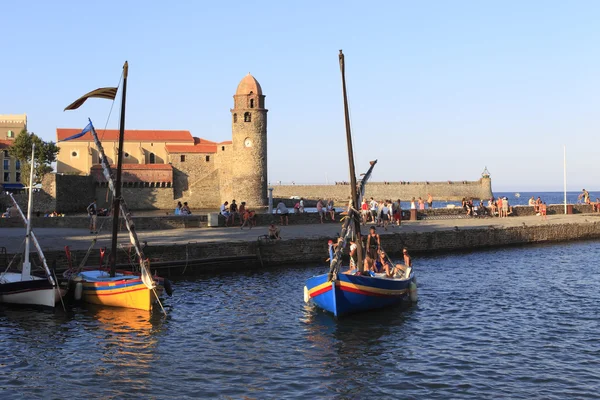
[(249, 136)]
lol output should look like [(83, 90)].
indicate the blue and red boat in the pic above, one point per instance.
[(345, 293), (354, 293)]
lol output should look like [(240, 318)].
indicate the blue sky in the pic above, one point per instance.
[(438, 90)]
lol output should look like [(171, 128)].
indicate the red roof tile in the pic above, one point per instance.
[(138, 166), (130, 134), (199, 148), (227, 142)]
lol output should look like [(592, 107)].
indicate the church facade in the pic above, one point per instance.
[(170, 166)]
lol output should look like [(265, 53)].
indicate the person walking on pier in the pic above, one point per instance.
[(373, 206), (364, 211), (93, 213), (283, 210)]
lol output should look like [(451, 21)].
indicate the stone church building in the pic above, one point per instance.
[(163, 167)]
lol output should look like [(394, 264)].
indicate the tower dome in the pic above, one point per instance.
[(248, 85)]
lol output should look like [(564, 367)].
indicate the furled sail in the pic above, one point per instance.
[(125, 213), (347, 227)]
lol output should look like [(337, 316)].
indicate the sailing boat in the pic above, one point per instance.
[(127, 289), (24, 287), (342, 293)]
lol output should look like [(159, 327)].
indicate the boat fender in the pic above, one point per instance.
[(78, 290), (168, 287), (306, 295), (413, 292)]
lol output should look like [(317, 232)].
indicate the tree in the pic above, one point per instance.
[(45, 154)]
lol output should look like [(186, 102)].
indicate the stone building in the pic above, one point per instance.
[(10, 126), (163, 167)]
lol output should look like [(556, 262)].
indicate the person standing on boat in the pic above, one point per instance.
[(93, 213), (373, 243), (353, 257)]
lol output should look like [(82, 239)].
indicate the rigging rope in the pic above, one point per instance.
[(111, 107)]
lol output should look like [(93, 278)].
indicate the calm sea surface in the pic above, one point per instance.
[(518, 323)]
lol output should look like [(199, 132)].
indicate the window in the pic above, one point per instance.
[(6, 177), (18, 177), (207, 158), (73, 154), (152, 158), (10, 134), (6, 155), (18, 164), (234, 118), (222, 148), (251, 103), (126, 155), (6, 165), (182, 158), (247, 117)]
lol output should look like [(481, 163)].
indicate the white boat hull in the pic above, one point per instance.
[(35, 291)]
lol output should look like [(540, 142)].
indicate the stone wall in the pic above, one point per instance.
[(481, 189), (194, 258), (146, 198), (195, 180)]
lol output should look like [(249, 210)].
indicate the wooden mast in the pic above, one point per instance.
[(353, 186), (117, 198)]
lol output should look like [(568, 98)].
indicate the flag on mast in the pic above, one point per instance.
[(104, 93), (85, 130)]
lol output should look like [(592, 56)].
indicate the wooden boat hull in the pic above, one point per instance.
[(34, 292), (351, 294), (124, 290)]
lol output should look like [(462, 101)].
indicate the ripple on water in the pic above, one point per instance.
[(507, 323)]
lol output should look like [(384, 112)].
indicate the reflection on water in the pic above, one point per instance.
[(509, 323)]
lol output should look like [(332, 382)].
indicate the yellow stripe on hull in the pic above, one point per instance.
[(138, 297)]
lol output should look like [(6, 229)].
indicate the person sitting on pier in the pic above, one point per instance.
[(274, 232), (331, 209), (596, 205), (225, 211), (185, 210), (532, 202), (373, 243), (233, 211), (178, 208)]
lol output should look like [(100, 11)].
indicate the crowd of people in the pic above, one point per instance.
[(376, 262), (245, 216)]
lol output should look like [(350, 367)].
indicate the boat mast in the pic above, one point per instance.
[(353, 186), (117, 198), (26, 271)]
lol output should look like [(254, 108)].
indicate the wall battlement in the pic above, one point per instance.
[(448, 191)]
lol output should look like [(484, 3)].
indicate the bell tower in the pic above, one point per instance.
[(249, 147)]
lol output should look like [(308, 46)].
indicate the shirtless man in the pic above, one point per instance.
[(373, 243), (429, 201)]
